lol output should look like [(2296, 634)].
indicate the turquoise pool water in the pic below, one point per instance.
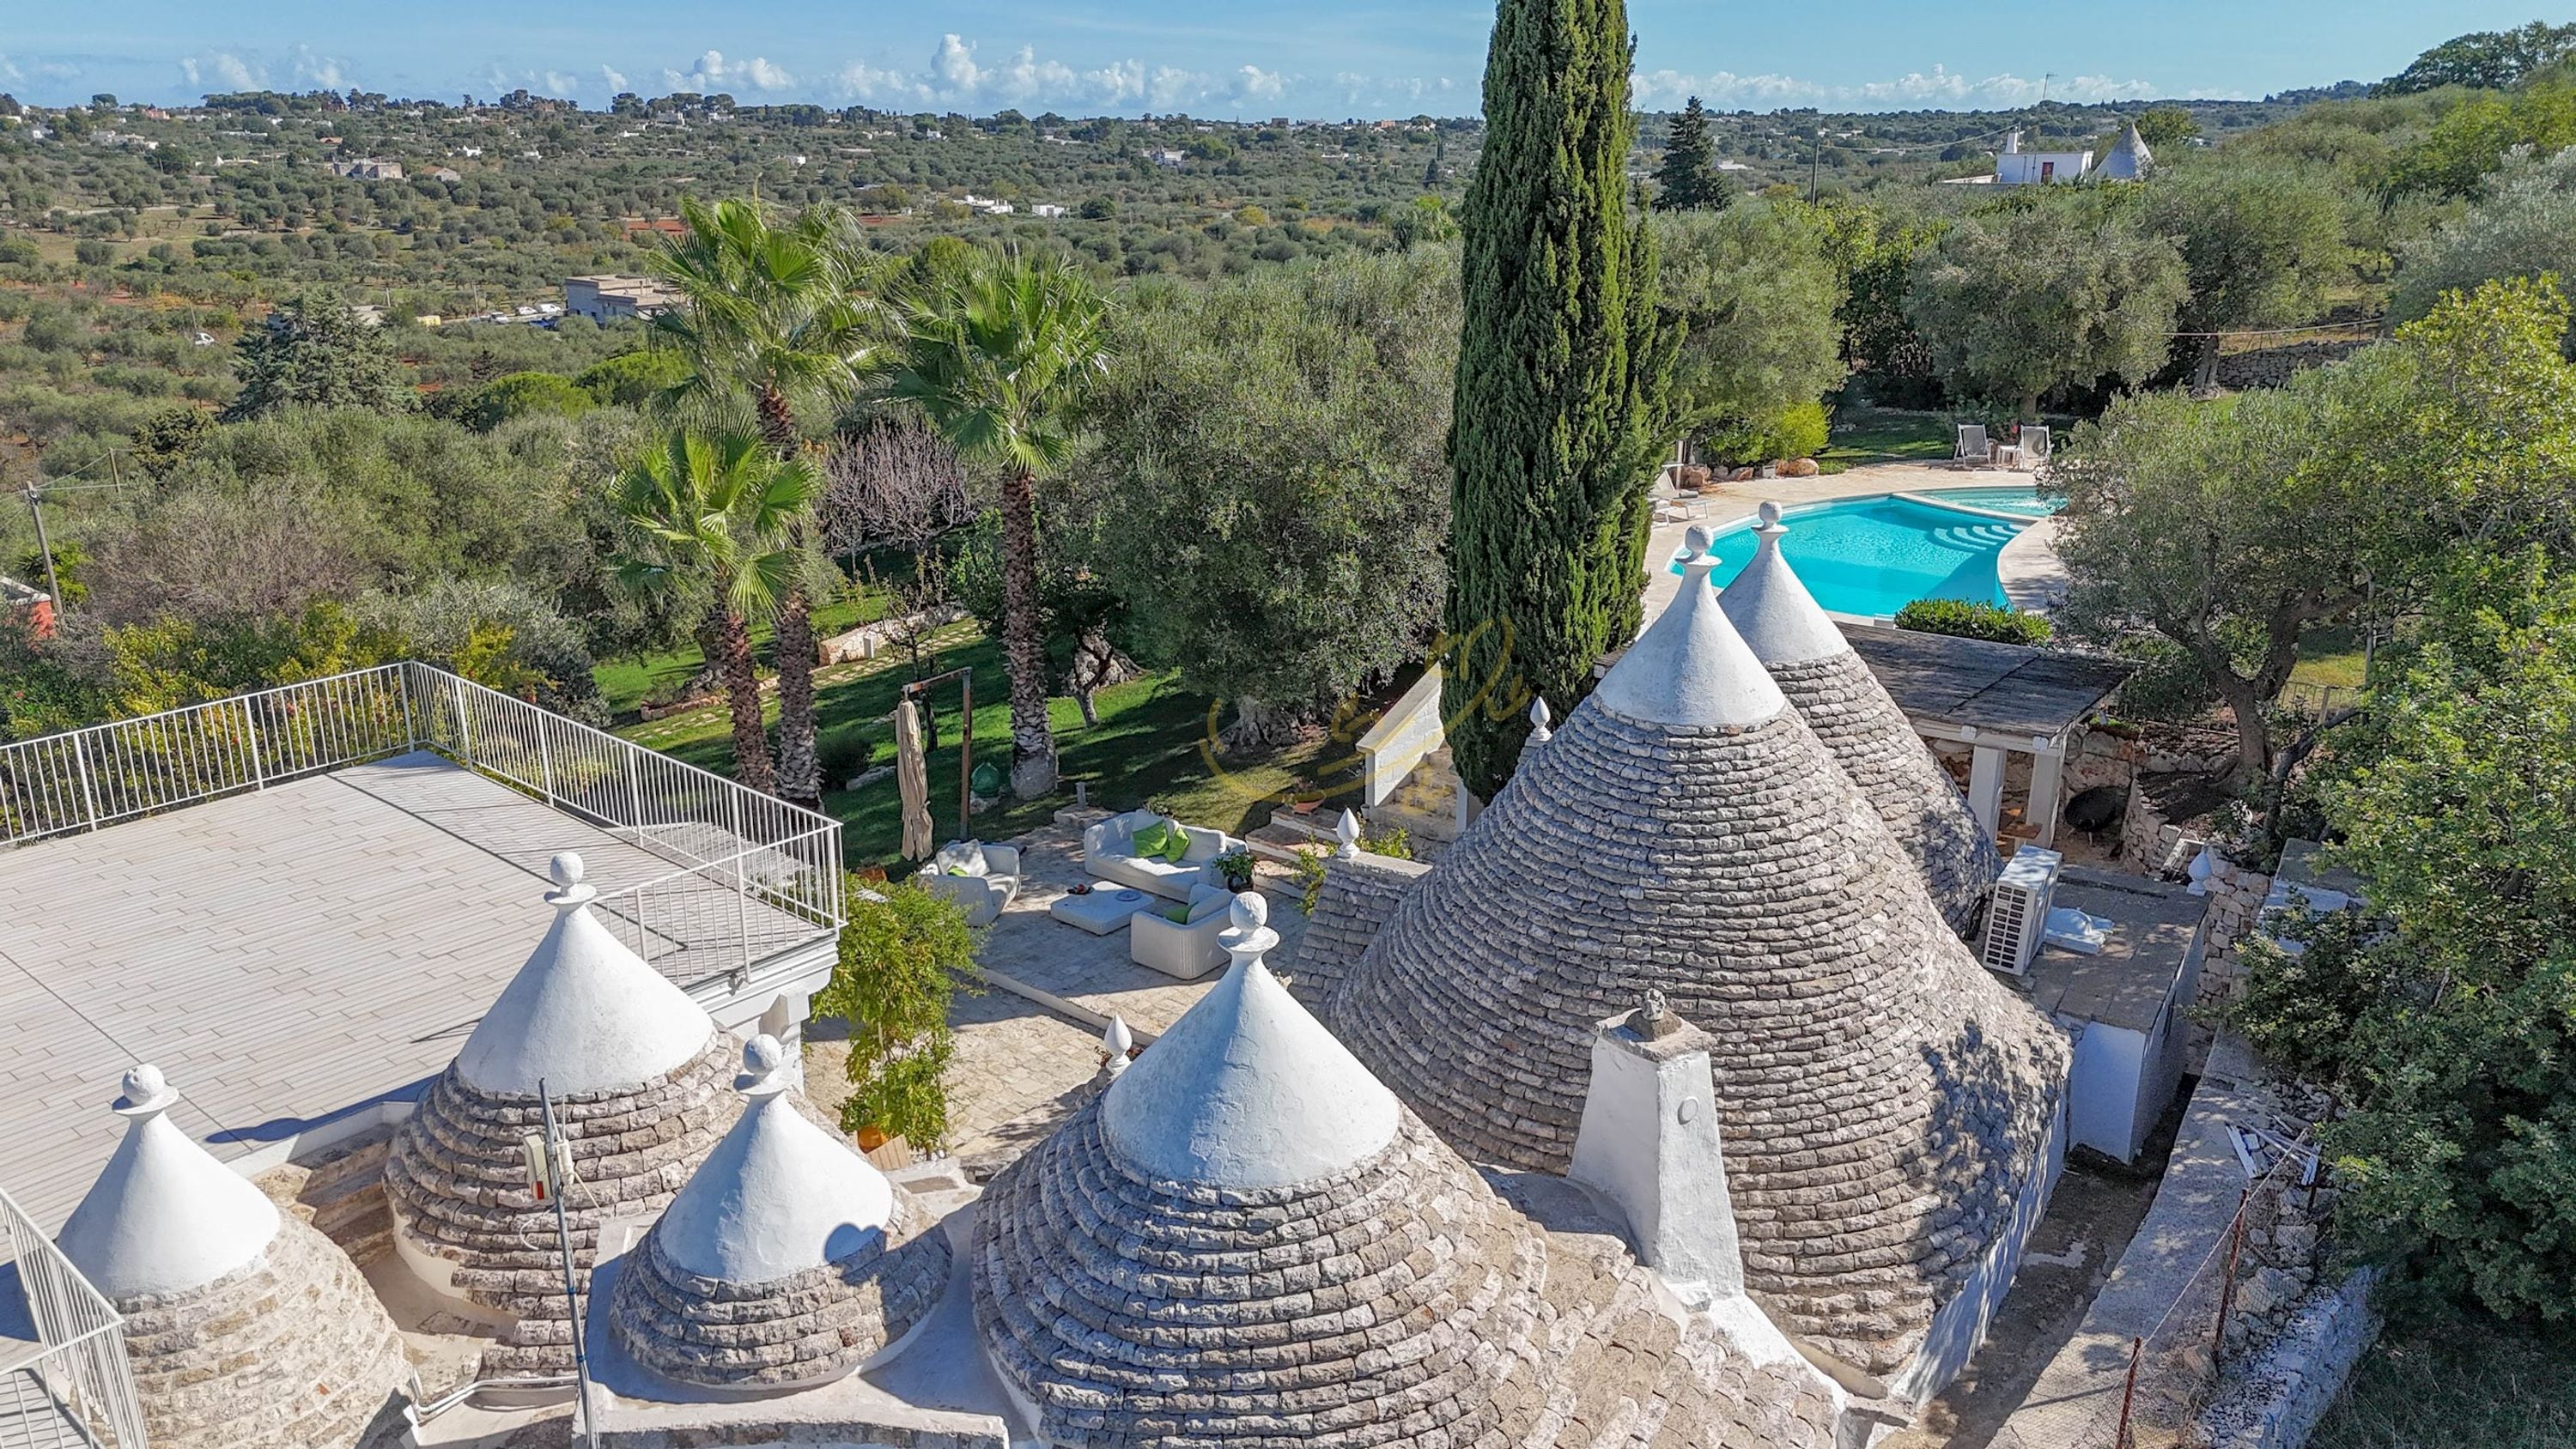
[(1872, 556), (2024, 500)]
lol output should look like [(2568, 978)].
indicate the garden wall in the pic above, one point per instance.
[(2276, 1401)]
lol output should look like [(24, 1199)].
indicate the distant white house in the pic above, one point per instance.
[(1165, 158), (1046, 210), (2017, 167), (606, 298), (2127, 160)]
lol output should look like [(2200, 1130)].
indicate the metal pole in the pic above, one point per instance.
[(402, 681), (741, 900), (2129, 1393), (45, 550), (556, 1151), (545, 760), (89, 797), (966, 761), (2227, 1289), (250, 741)]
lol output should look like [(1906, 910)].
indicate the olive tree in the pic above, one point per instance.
[(2260, 246), (2026, 298), (1270, 450), (1758, 296)]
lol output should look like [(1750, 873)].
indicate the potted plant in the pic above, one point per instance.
[(1235, 868), (1305, 799)]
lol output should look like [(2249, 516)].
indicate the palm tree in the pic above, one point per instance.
[(779, 315), (712, 518), (997, 356)]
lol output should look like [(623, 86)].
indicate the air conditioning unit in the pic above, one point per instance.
[(2018, 915)]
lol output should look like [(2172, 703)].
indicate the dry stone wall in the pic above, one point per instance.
[(2284, 1390)]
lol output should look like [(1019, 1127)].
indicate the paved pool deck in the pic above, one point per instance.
[(2032, 577)]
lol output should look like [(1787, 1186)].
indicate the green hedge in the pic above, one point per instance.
[(2001, 623)]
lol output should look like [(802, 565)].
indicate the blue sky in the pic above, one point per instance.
[(1328, 58)]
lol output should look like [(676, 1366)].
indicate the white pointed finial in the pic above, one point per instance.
[(1250, 935), (1539, 719), (1699, 554), (1115, 1044), (147, 1092), (1347, 831), (764, 1058), (565, 870)]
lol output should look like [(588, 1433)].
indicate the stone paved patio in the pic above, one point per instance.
[(1029, 1043)]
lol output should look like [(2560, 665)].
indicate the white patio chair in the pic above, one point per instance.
[(1973, 447), (2034, 446)]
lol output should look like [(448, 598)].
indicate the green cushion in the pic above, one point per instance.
[(1178, 846), (1177, 915), (1153, 841)]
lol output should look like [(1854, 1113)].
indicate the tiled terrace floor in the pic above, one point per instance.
[(285, 956)]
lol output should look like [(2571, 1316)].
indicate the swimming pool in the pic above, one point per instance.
[(1872, 556)]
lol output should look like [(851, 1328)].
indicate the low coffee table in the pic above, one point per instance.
[(1103, 911)]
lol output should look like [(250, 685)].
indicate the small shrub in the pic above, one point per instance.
[(1799, 432), (1311, 864), (904, 954), (1395, 844), (2001, 623)]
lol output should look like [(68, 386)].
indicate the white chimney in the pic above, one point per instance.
[(1649, 1143)]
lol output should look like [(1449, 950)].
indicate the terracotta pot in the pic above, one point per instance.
[(871, 1137)]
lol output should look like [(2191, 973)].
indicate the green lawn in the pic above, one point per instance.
[(2471, 1383), (2330, 656), (1876, 435), (1154, 743), (624, 683)]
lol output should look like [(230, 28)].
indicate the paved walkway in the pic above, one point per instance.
[(287, 956)]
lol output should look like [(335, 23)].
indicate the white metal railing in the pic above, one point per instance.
[(776, 866), (73, 1388)]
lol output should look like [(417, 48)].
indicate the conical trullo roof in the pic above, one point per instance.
[(1850, 711), (2128, 159), (245, 1326), (1247, 1240), (639, 1076), (787, 1260), (1883, 1101)]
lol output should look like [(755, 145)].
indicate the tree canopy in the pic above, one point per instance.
[(1562, 367), (1757, 297), (1687, 178), (1270, 451), (316, 352), (2021, 300)]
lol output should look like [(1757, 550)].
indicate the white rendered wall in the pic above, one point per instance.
[(2105, 1088), (1960, 1325)]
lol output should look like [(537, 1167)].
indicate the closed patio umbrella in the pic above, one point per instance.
[(912, 779)]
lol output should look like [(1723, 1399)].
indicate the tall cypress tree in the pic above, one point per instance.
[(1687, 181), (1562, 364)]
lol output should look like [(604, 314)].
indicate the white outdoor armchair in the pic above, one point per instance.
[(989, 881), (1186, 949)]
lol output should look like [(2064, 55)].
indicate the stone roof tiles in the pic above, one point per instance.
[(788, 1259), (1882, 1099), (246, 1328), (465, 1216)]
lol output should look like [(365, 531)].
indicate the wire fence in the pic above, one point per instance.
[(70, 1387), (751, 875), (2217, 1318)]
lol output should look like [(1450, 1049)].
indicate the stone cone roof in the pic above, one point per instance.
[(465, 1216), (286, 1348), (2128, 159), (1882, 1099), (1389, 1297), (1850, 711), (787, 1260)]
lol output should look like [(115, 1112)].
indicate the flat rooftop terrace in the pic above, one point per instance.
[(301, 955)]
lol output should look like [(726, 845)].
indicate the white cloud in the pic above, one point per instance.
[(224, 71), (958, 76), (9, 71), (323, 71), (615, 81), (1939, 88), (714, 73)]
